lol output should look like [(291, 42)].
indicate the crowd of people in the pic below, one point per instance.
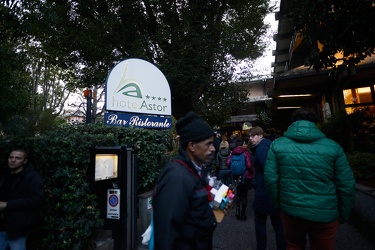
[(302, 182)]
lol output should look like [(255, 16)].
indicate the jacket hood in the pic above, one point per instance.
[(304, 131), (238, 150), (224, 152)]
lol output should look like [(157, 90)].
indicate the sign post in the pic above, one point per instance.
[(113, 172), (113, 206), (137, 94)]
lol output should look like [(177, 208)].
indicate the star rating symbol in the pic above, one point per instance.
[(159, 99)]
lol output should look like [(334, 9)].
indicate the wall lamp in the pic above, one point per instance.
[(296, 107), (301, 95)]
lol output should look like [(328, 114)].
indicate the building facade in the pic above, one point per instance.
[(326, 91)]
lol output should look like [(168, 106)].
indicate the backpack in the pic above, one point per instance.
[(237, 164)]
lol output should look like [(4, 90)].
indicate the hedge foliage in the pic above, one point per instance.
[(354, 132), (62, 158), (363, 166)]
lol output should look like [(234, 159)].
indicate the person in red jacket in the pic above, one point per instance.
[(245, 185)]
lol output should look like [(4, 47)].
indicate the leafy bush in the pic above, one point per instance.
[(62, 157), (363, 130), (356, 135), (354, 132), (363, 165), (338, 128)]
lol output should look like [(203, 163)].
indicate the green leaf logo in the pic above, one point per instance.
[(130, 87)]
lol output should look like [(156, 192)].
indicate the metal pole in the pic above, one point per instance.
[(88, 109)]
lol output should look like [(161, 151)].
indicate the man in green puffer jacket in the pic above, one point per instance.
[(309, 179)]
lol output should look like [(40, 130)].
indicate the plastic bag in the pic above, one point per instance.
[(146, 236)]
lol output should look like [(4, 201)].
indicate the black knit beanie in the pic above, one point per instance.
[(192, 128)]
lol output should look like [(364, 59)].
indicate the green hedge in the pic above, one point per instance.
[(363, 166), (354, 132), (62, 157)]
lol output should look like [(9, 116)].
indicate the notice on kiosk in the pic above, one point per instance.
[(113, 204)]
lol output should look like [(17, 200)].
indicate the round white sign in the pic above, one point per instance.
[(137, 86)]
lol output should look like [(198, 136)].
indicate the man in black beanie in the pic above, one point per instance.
[(182, 216)]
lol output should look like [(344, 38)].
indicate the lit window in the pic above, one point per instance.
[(353, 99), (359, 95)]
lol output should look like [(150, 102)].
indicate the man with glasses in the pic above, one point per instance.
[(262, 205)]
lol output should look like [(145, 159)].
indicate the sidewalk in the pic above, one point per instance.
[(234, 234)]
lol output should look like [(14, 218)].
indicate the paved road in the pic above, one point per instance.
[(234, 234)]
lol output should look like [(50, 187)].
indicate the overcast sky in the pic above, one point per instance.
[(263, 64)]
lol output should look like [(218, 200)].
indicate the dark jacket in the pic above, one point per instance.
[(222, 157), (262, 202), (24, 195), (308, 175), (217, 143), (232, 144), (182, 216)]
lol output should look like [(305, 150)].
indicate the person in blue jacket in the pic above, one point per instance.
[(262, 204)]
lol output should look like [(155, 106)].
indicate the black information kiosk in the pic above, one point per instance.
[(113, 175)]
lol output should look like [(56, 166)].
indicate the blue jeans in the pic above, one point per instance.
[(260, 220), (225, 176), (15, 244)]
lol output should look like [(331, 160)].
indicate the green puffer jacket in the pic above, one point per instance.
[(308, 175)]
